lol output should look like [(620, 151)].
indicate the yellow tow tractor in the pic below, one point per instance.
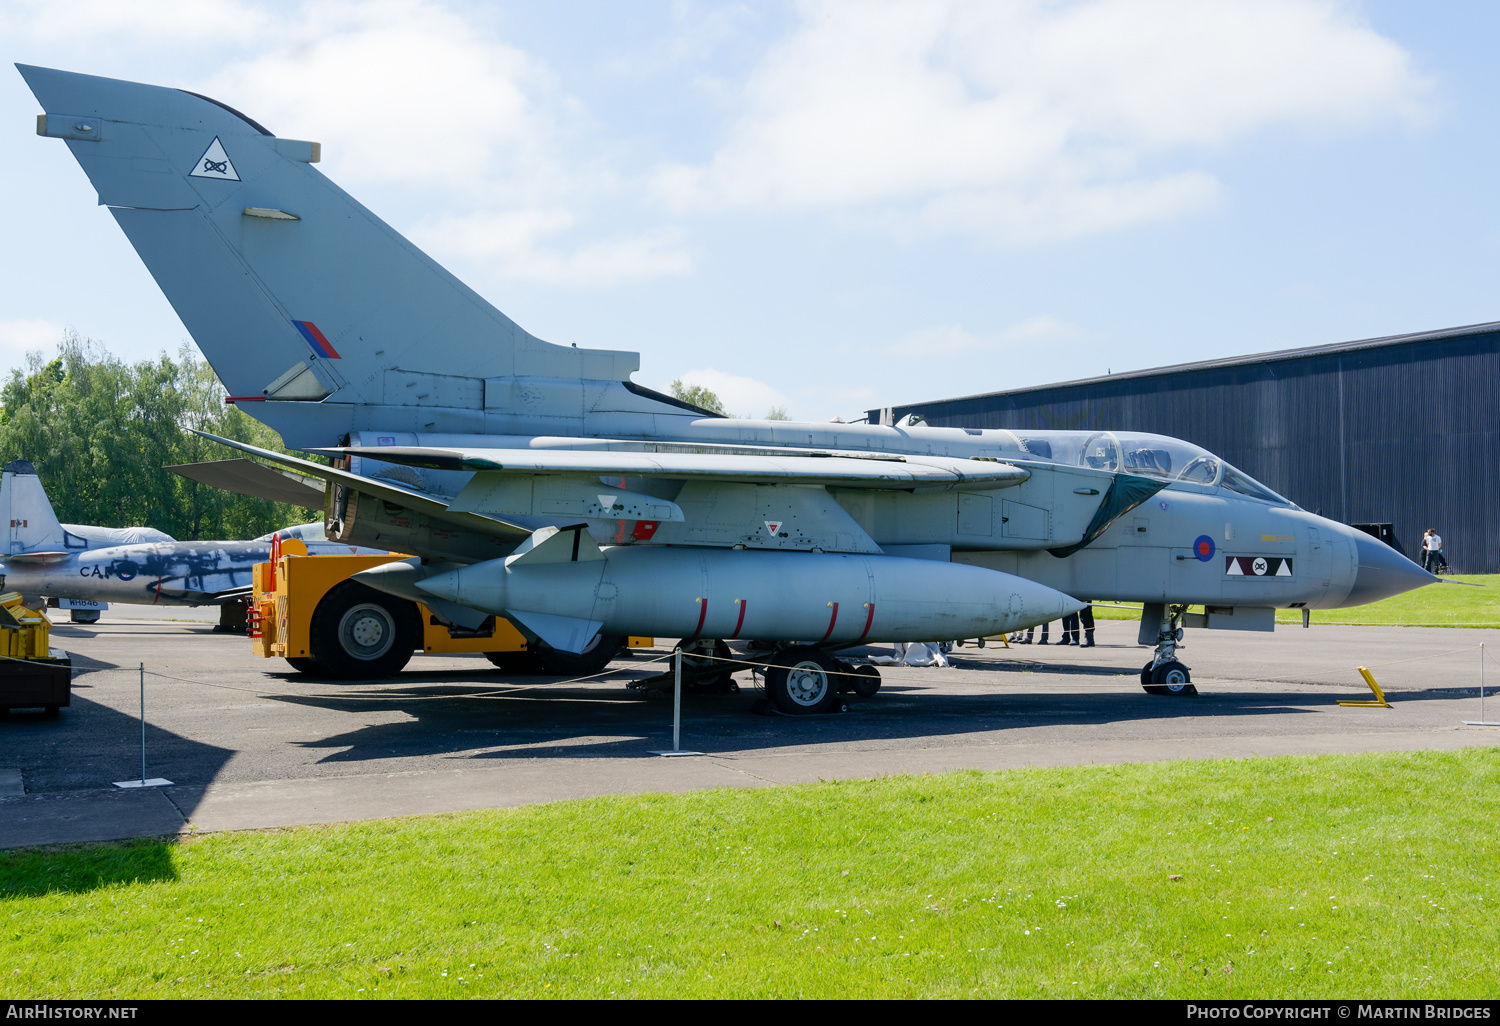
[(307, 611), (32, 672)]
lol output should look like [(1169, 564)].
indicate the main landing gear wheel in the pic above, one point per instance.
[(1171, 678), (595, 656), (710, 676), (866, 683), (359, 633), (799, 681)]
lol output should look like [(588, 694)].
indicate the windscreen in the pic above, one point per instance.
[(1154, 456)]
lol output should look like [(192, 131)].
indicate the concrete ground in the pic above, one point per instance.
[(248, 744)]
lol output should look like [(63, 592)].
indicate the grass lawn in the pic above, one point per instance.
[(1369, 876), (1437, 605)]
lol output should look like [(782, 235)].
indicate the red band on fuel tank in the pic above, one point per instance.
[(832, 619), (738, 623), (869, 619)]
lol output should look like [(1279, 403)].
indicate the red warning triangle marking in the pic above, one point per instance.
[(772, 527)]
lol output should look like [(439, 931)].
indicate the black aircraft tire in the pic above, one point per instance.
[(302, 664), (1172, 678), (799, 682), (868, 681), (358, 633), (594, 657), (710, 677), (1146, 680)]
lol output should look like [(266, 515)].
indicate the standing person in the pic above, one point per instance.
[(1086, 615), (1432, 544), (1031, 632), (1070, 630)]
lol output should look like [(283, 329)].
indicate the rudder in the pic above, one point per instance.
[(31, 525)]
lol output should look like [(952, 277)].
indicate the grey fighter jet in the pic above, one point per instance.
[(538, 482)]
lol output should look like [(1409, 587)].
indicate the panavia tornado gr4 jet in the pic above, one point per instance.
[(86, 568), (539, 483)]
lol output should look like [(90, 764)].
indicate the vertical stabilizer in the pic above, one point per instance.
[(31, 526), (299, 297)]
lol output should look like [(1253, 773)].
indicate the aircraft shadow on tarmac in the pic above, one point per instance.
[(104, 628), (526, 718), (90, 745)]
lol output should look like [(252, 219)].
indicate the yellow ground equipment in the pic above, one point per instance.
[(31, 672), (307, 611)]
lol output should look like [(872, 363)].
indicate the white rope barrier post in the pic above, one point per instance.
[(1481, 722), (676, 710), (143, 782)]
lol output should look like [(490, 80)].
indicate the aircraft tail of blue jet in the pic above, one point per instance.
[(318, 315), (31, 525)]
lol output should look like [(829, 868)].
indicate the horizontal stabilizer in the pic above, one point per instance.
[(556, 545), (40, 558), (246, 477), (489, 526), (564, 633)]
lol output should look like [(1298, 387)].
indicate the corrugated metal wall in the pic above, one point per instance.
[(1406, 433)]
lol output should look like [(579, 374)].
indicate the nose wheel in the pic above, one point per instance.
[(1170, 678), (1165, 674)]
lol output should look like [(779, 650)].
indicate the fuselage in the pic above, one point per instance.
[(1210, 535), (166, 573)]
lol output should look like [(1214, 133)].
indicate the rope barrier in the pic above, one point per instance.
[(366, 694), (889, 674)]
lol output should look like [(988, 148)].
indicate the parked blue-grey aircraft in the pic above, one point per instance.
[(538, 482), (89, 567)]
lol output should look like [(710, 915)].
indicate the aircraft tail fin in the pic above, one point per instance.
[(300, 298), (30, 524)]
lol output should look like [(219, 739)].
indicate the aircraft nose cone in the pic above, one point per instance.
[(1382, 572)]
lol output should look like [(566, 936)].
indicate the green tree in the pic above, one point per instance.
[(698, 396), (100, 432), (777, 413)]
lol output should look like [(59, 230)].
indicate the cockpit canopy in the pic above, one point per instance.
[(1156, 456)]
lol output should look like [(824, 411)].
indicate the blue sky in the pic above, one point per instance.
[(831, 206)]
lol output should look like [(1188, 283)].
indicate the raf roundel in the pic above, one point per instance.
[(1203, 548)]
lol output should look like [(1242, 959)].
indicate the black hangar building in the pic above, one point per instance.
[(1393, 435)]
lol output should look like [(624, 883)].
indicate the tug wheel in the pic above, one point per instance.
[(359, 633)]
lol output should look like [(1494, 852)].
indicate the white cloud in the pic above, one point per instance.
[(418, 94), (953, 339), (406, 91), (1028, 120), (741, 396), (19, 337), (150, 22)]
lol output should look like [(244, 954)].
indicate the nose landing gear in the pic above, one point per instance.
[(1164, 674)]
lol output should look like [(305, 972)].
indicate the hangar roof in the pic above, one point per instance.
[(1236, 361)]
